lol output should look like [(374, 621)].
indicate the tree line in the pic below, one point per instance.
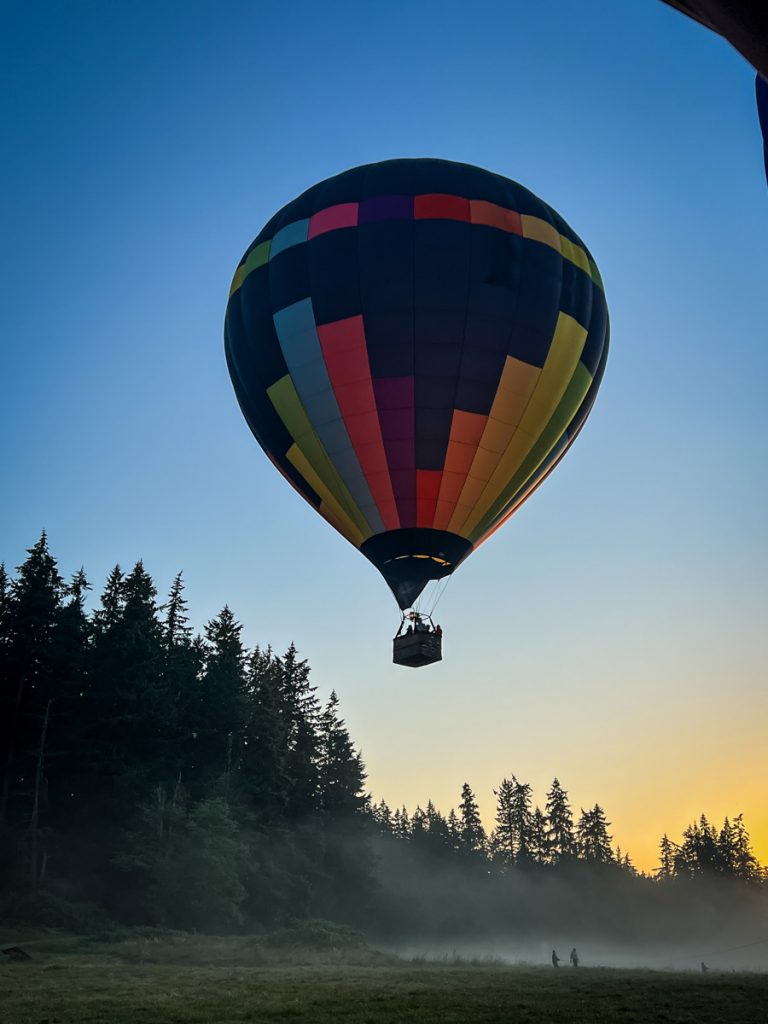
[(152, 775), (527, 838)]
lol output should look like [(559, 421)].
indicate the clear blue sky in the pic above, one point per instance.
[(614, 632)]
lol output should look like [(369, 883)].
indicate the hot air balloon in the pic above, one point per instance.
[(744, 24), (415, 344)]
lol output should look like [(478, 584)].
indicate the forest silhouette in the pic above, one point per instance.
[(151, 776)]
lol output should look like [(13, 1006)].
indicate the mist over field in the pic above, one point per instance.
[(612, 919), (681, 957)]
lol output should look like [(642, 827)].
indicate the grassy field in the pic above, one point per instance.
[(221, 981)]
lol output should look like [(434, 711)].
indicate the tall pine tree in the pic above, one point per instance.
[(471, 831), (667, 851), (31, 619), (221, 725), (183, 660), (505, 835), (522, 820), (303, 711), (264, 758), (594, 843), (66, 735), (561, 844), (131, 718), (341, 773)]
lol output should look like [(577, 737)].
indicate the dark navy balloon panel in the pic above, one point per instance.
[(761, 90), (415, 344)]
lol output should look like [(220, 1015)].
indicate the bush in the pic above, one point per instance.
[(317, 935), (49, 910)]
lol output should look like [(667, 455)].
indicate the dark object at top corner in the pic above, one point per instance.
[(744, 23)]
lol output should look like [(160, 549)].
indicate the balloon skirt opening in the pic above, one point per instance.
[(409, 558)]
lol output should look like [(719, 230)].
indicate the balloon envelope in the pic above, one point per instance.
[(744, 23), (415, 344)]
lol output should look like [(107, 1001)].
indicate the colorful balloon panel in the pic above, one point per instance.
[(415, 344)]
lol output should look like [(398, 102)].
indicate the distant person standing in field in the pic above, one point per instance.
[(555, 959), (574, 958)]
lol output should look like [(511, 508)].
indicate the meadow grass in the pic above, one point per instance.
[(116, 982)]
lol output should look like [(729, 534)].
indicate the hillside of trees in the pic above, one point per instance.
[(152, 776)]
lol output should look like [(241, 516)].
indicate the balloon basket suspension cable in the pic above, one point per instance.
[(440, 589)]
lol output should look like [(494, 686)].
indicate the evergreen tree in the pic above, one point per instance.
[(383, 816), (77, 591), (145, 845), (515, 840), (176, 629), (686, 854), (418, 826), (110, 613), (725, 849), (67, 738), (202, 884), (222, 713), (505, 834), (191, 864), (4, 589), (699, 853), (341, 772), (5, 608), (561, 845), (401, 824), (437, 833), (667, 854), (183, 662), (31, 617), (522, 819), (386, 817), (745, 865), (7, 692), (539, 844), (471, 831), (264, 758), (627, 865), (594, 843), (303, 713), (734, 851), (708, 853), (496, 853), (130, 723), (454, 829)]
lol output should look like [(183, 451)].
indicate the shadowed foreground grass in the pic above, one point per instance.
[(62, 987)]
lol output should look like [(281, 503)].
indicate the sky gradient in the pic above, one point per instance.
[(614, 632)]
